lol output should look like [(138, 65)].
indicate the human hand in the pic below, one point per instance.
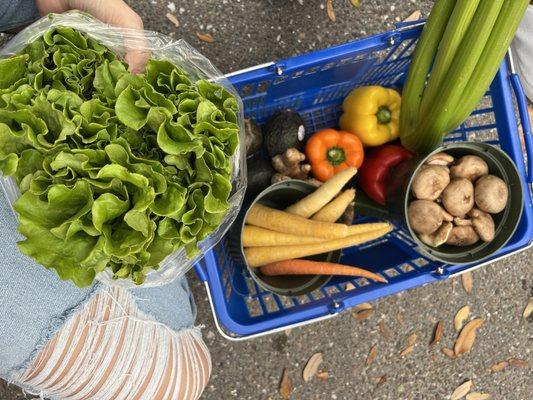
[(112, 12)]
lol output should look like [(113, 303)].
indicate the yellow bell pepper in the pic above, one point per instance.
[(373, 114)]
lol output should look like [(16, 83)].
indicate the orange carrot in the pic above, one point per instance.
[(308, 267)]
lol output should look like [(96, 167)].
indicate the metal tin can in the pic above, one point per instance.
[(399, 196), (280, 196)]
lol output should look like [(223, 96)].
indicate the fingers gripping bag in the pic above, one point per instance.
[(123, 177)]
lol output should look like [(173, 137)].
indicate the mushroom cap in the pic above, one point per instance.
[(424, 216), (469, 167), (441, 158), (439, 237), (458, 197), (491, 194), (430, 181), (483, 224), (462, 236)]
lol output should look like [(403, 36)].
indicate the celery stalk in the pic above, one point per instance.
[(428, 133), (451, 40), (489, 62), (421, 63)]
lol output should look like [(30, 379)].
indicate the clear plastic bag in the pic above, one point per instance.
[(158, 46)]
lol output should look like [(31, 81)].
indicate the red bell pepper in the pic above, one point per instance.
[(372, 176)]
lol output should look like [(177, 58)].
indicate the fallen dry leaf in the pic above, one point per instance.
[(381, 380), (371, 355), (466, 280), (499, 366), (517, 362), (414, 16), (461, 390), (411, 340), (285, 385), (384, 330), (529, 309), (460, 317), (408, 350), (311, 368), (478, 396), (467, 336), (362, 307), (448, 352), (205, 37), (355, 3), (363, 314), (400, 318), (437, 334), (172, 18), (330, 10), (323, 375)]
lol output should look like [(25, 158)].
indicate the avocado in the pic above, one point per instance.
[(260, 173), (283, 130)]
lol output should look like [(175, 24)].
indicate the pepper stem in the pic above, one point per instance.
[(336, 156), (384, 115)]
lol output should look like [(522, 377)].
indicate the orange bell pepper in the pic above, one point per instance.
[(330, 151)]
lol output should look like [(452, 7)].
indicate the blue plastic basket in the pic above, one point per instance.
[(315, 84)]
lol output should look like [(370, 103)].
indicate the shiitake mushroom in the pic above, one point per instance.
[(424, 216), (458, 197), (469, 167), (462, 236), (491, 194), (483, 224), (468, 196), (439, 237), (430, 181), (443, 159)]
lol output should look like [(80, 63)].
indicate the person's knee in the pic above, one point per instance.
[(110, 350)]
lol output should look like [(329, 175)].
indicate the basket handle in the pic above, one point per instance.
[(525, 122), (200, 271)]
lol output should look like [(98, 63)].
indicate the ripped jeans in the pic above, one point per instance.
[(62, 342)]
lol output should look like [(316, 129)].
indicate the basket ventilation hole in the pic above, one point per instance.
[(391, 272)]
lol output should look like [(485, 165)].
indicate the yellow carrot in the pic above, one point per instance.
[(281, 221), (332, 211), (310, 204), (257, 256), (252, 236), (308, 267), (362, 228)]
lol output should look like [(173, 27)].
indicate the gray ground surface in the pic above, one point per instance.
[(252, 369), (249, 32)]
